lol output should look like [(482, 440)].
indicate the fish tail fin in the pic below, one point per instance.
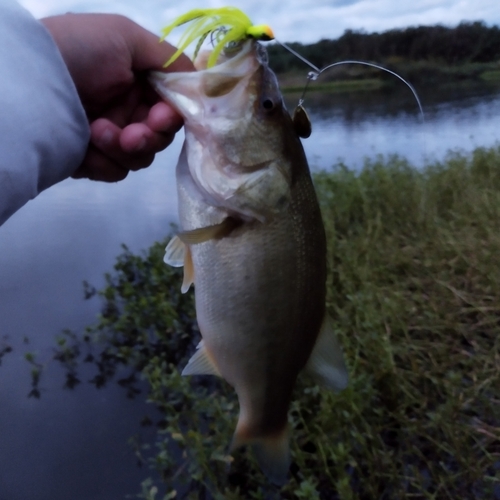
[(273, 455), (271, 451)]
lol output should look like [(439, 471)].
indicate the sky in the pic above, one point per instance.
[(303, 21)]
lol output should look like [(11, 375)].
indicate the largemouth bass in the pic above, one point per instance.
[(252, 241)]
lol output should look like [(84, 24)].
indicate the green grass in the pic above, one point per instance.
[(414, 287)]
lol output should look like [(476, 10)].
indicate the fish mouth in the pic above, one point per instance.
[(185, 90)]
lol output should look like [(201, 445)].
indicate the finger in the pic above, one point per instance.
[(105, 134), (98, 167), (121, 111), (141, 143), (162, 117), (138, 138), (140, 114)]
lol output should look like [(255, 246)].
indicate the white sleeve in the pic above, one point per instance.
[(44, 132)]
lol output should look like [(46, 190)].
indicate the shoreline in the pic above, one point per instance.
[(417, 74)]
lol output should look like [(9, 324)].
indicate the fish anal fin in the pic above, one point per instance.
[(201, 363), (175, 252), (188, 270), (271, 451), (215, 232), (326, 363)]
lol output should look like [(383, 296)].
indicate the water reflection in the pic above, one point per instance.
[(74, 444)]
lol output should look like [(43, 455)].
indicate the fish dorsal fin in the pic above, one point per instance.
[(201, 363), (214, 232), (188, 270), (175, 252), (326, 363)]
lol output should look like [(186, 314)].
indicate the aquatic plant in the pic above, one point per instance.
[(414, 287)]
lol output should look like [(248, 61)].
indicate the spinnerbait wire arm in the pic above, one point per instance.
[(313, 75), (296, 54)]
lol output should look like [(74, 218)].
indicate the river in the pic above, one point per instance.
[(73, 444)]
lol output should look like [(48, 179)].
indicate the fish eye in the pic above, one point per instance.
[(268, 104)]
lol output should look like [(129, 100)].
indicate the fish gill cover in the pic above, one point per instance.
[(226, 25)]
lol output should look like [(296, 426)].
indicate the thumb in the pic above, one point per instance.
[(149, 53)]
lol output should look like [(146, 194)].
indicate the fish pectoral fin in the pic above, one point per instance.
[(326, 363), (215, 232), (178, 254), (201, 363), (188, 270), (175, 252)]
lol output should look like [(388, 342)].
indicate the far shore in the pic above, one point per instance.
[(358, 80)]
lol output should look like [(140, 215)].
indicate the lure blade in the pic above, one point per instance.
[(302, 122)]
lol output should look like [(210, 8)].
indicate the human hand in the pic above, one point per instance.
[(109, 57)]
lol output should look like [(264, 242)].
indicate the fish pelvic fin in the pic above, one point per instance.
[(272, 452), (215, 232), (326, 363), (201, 363), (175, 252), (178, 254)]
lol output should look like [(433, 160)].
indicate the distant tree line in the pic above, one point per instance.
[(469, 42)]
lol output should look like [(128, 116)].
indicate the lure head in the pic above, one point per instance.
[(261, 32), (226, 25)]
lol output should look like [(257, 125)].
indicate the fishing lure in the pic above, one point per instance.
[(229, 25)]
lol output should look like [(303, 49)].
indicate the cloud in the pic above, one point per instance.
[(294, 20), (340, 3)]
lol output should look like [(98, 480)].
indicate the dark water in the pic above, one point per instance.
[(73, 444)]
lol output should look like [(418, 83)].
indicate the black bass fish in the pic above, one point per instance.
[(253, 244)]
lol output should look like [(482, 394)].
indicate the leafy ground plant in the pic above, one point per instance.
[(414, 287)]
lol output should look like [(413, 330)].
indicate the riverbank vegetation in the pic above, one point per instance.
[(414, 287), (421, 55)]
